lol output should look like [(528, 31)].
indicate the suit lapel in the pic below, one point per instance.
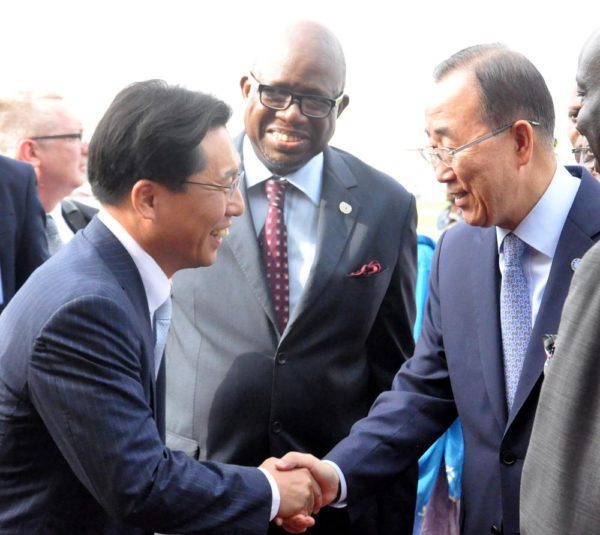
[(334, 228), (581, 228), (244, 246), (120, 263), (486, 291)]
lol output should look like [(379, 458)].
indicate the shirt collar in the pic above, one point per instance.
[(307, 179), (156, 284), (538, 229)]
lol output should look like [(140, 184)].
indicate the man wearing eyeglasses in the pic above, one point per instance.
[(497, 286), (258, 367), (81, 344), (43, 130)]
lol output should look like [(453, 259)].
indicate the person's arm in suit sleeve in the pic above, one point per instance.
[(85, 382), (32, 248), (404, 421), (390, 342)]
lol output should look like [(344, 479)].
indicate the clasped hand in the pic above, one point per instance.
[(305, 484)]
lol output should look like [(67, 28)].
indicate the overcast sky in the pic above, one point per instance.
[(91, 50)]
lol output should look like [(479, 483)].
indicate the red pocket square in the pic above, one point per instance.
[(367, 269)]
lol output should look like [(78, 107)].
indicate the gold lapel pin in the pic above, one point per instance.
[(345, 208)]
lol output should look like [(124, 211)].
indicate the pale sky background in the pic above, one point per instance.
[(91, 50)]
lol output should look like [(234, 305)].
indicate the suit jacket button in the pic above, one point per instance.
[(276, 427), (508, 457), (281, 358)]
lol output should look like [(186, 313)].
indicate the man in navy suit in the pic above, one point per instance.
[(490, 123), (81, 397), (22, 240)]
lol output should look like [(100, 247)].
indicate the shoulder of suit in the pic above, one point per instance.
[(364, 171)]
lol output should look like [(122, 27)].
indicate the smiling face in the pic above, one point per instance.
[(481, 178), (285, 140), (190, 224)]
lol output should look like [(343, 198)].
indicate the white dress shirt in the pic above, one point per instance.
[(541, 230), (301, 213)]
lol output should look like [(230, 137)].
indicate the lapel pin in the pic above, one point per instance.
[(575, 263), (345, 208)]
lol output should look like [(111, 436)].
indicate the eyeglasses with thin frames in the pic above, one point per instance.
[(229, 190), (314, 106), (434, 155), (78, 135)]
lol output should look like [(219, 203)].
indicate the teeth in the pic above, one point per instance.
[(221, 233), (286, 137)]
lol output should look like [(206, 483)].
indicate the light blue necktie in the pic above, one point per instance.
[(515, 313), (162, 320), (52, 235)]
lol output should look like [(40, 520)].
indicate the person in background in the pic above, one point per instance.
[(22, 244), (43, 130), (498, 283), (258, 368), (560, 492), (81, 344), (581, 148)]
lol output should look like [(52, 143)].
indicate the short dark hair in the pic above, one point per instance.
[(510, 86), (151, 130)]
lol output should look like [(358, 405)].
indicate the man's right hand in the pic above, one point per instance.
[(299, 492)]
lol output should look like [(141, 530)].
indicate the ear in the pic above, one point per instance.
[(144, 197), (343, 105), (523, 137), (28, 151), (245, 86)]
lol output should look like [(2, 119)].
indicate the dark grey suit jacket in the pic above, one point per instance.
[(80, 427), (22, 220), (560, 490), (457, 369), (239, 392)]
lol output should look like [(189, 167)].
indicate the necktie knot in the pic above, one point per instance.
[(275, 190), (513, 249)]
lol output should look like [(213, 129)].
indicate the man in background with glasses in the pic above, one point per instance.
[(286, 341), (581, 148), (43, 130), (497, 286)]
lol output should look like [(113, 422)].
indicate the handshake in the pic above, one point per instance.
[(305, 485)]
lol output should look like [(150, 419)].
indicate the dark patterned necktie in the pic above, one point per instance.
[(515, 313), (274, 248)]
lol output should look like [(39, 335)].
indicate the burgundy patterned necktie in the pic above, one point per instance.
[(274, 248)]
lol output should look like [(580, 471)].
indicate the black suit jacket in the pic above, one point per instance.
[(76, 214), (22, 240)]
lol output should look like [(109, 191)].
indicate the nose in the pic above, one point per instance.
[(444, 173), (235, 205), (292, 112), (85, 145)]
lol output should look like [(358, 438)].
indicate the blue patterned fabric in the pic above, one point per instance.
[(515, 313)]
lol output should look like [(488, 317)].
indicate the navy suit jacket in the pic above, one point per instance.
[(22, 240), (80, 448), (457, 369)]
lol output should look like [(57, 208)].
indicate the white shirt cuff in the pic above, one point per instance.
[(341, 501), (276, 497)]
